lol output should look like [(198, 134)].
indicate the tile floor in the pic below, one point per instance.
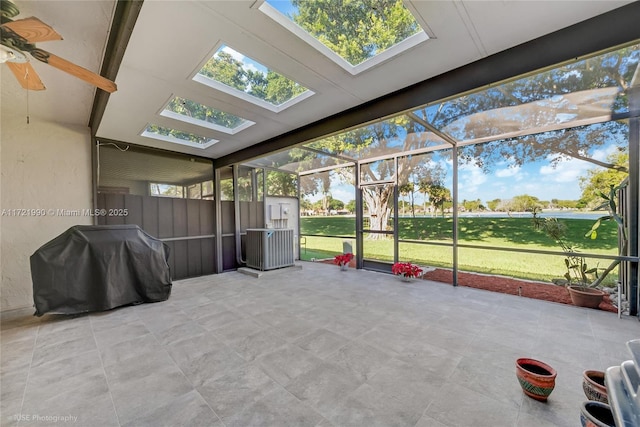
[(307, 347)]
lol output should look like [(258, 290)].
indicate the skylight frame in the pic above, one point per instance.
[(165, 112), (172, 139), (212, 83), (400, 47)]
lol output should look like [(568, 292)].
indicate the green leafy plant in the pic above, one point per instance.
[(577, 270), (610, 204)]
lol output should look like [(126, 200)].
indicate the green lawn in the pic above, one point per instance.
[(492, 232)]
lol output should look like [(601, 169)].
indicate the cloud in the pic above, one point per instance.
[(470, 178), (508, 172), (247, 63)]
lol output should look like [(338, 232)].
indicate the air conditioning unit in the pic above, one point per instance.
[(268, 248)]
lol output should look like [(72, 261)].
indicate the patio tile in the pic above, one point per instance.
[(377, 353), (217, 320), (562, 409), (323, 387), (321, 342), (108, 337), (359, 359), (497, 381), (433, 360), (427, 421), (287, 363), (147, 394), (287, 325), (17, 353), (458, 406), (236, 390), (257, 344), (199, 366), (160, 322), (187, 410), (180, 332), (408, 383), (62, 350), (133, 348), (238, 330), (370, 407), (278, 408), (44, 406), (112, 318), (392, 338)]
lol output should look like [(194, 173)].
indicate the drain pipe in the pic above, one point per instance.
[(236, 217)]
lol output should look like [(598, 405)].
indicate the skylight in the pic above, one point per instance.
[(198, 114), (177, 137), (351, 33), (232, 72)]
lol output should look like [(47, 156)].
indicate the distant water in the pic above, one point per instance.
[(556, 214)]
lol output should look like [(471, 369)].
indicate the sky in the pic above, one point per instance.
[(537, 179)]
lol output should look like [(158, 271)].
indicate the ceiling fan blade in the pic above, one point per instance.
[(75, 70), (33, 30), (26, 75)]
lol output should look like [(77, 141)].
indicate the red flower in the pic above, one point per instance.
[(406, 269), (343, 259)]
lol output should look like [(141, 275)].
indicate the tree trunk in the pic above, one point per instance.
[(413, 207), (377, 200)]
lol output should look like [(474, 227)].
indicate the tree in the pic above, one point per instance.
[(305, 204), (472, 205), (335, 204), (356, 30), (541, 103), (351, 206), (407, 190), (271, 87), (525, 203), (281, 184), (599, 181), (438, 195), (493, 204)]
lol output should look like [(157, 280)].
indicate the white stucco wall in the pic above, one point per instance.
[(44, 166)]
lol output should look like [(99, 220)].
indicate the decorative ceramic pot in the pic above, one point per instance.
[(585, 297), (594, 387), (536, 378), (344, 267), (596, 414), (406, 278)]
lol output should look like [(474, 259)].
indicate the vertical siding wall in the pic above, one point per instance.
[(180, 223)]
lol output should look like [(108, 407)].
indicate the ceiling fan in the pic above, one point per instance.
[(18, 38)]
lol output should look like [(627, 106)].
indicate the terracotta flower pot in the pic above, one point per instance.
[(585, 297), (536, 378), (594, 387), (596, 414)]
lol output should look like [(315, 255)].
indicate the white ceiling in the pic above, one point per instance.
[(172, 39)]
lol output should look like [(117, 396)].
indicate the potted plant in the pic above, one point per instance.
[(596, 414), (582, 281), (343, 260), (536, 378), (406, 270), (594, 386)]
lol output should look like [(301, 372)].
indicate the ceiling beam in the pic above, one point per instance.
[(578, 40), (124, 20)]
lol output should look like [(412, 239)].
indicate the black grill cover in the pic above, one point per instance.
[(96, 268)]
